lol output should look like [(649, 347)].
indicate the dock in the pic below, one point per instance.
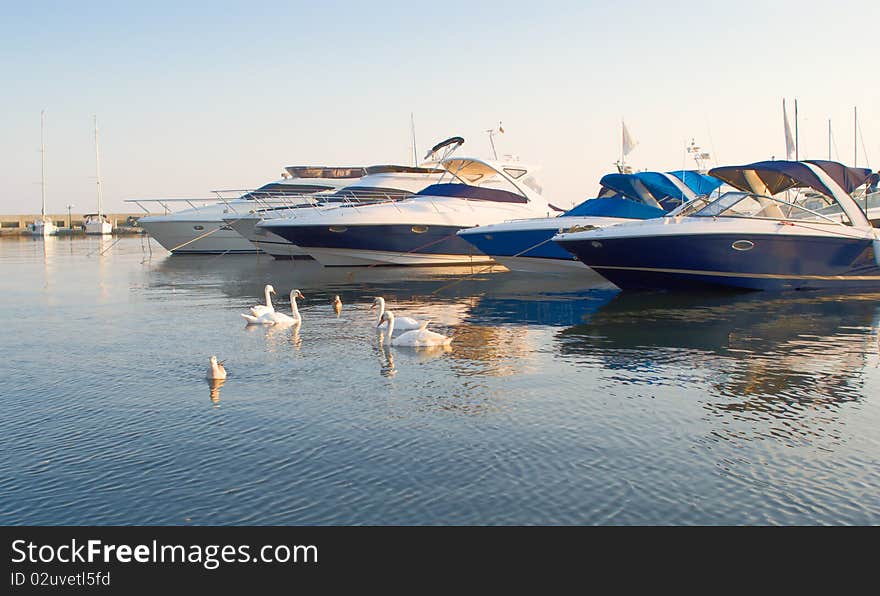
[(123, 223)]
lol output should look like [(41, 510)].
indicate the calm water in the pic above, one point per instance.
[(560, 402)]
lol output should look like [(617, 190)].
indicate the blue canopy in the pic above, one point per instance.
[(658, 185), (467, 191), (615, 207), (701, 184), (782, 175)]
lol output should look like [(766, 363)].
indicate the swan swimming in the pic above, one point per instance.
[(337, 306), (402, 323), (216, 370), (278, 318), (418, 338), (262, 309)]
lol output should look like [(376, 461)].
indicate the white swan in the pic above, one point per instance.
[(402, 323), (262, 309), (278, 318), (216, 369), (418, 338)]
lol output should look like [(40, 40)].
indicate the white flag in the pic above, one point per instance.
[(789, 141), (628, 143)]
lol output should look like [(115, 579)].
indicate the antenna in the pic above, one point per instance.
[(829, 139), (98, 169), (700, 157), (412, 127), (42, 164), (796, 146), (491, 132)]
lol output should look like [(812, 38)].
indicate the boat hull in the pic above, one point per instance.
[(382, 244), (772, 261), (264, 240), (179, 236)]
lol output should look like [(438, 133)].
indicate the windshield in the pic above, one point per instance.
[(808, 206)]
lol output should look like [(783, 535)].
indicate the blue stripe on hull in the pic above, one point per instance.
[(388, 238), (774, 263), (523, 243)]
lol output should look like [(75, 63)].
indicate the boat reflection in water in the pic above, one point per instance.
[(772, 359)]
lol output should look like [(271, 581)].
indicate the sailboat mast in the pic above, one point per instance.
[(855, 136), (98, 169), (796, 139), (42, 164), (829, 139)]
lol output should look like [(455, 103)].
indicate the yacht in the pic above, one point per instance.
[(789, 225), (97, 223), (200, 229), (422, 229), (381, 183), (526, 244), (44, 226)]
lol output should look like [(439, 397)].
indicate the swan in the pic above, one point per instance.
[(216, 370), (401, 323), (418, 338), (262, 309), (278, 318), (337, 305)]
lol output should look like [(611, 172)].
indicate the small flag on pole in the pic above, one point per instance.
[(789, 141), (500, 128), (628, 142)]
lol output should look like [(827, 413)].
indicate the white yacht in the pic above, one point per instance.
[(200, 229), (44, 226), (381, 183), (97, 223), (420, 230)]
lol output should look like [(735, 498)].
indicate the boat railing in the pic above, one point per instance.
[(270, 205), (166, 203)]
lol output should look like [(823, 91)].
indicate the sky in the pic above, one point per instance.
[(196, 96)]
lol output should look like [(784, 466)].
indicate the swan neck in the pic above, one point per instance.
[(389, 330), (381, 310), (293, 307), (268, 298)]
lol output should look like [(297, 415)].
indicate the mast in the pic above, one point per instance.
[(829, 139), (42, 165), (855, 136), (796, 152), (98, 169)]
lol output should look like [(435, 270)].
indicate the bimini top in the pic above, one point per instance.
[(659, 189), (777, 176), (395, 169), (329, 172)]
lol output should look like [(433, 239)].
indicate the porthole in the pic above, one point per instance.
[(743, 245), (198, 227), (419, 229), (488, 236), (596, 244), (338, 229)]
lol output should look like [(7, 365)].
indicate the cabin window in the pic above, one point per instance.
[(198, 227), (515, 173), (338, 229), (419, 229)]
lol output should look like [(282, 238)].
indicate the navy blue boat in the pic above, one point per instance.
[(791, 226)]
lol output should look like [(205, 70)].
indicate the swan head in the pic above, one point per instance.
[(377, 301), (213, 360), (296, 294), (386, 316), (270, 289), (336, 300)]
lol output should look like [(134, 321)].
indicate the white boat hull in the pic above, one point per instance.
[(98, 228), (265, 241), (214, 236), (342, 257), (541, 265), (43, 228)]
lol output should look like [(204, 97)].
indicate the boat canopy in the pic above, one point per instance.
[(395, 169), (455, 142), (778, 176), (477, 193), (657, 188), (615, 207), (329, 172)]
